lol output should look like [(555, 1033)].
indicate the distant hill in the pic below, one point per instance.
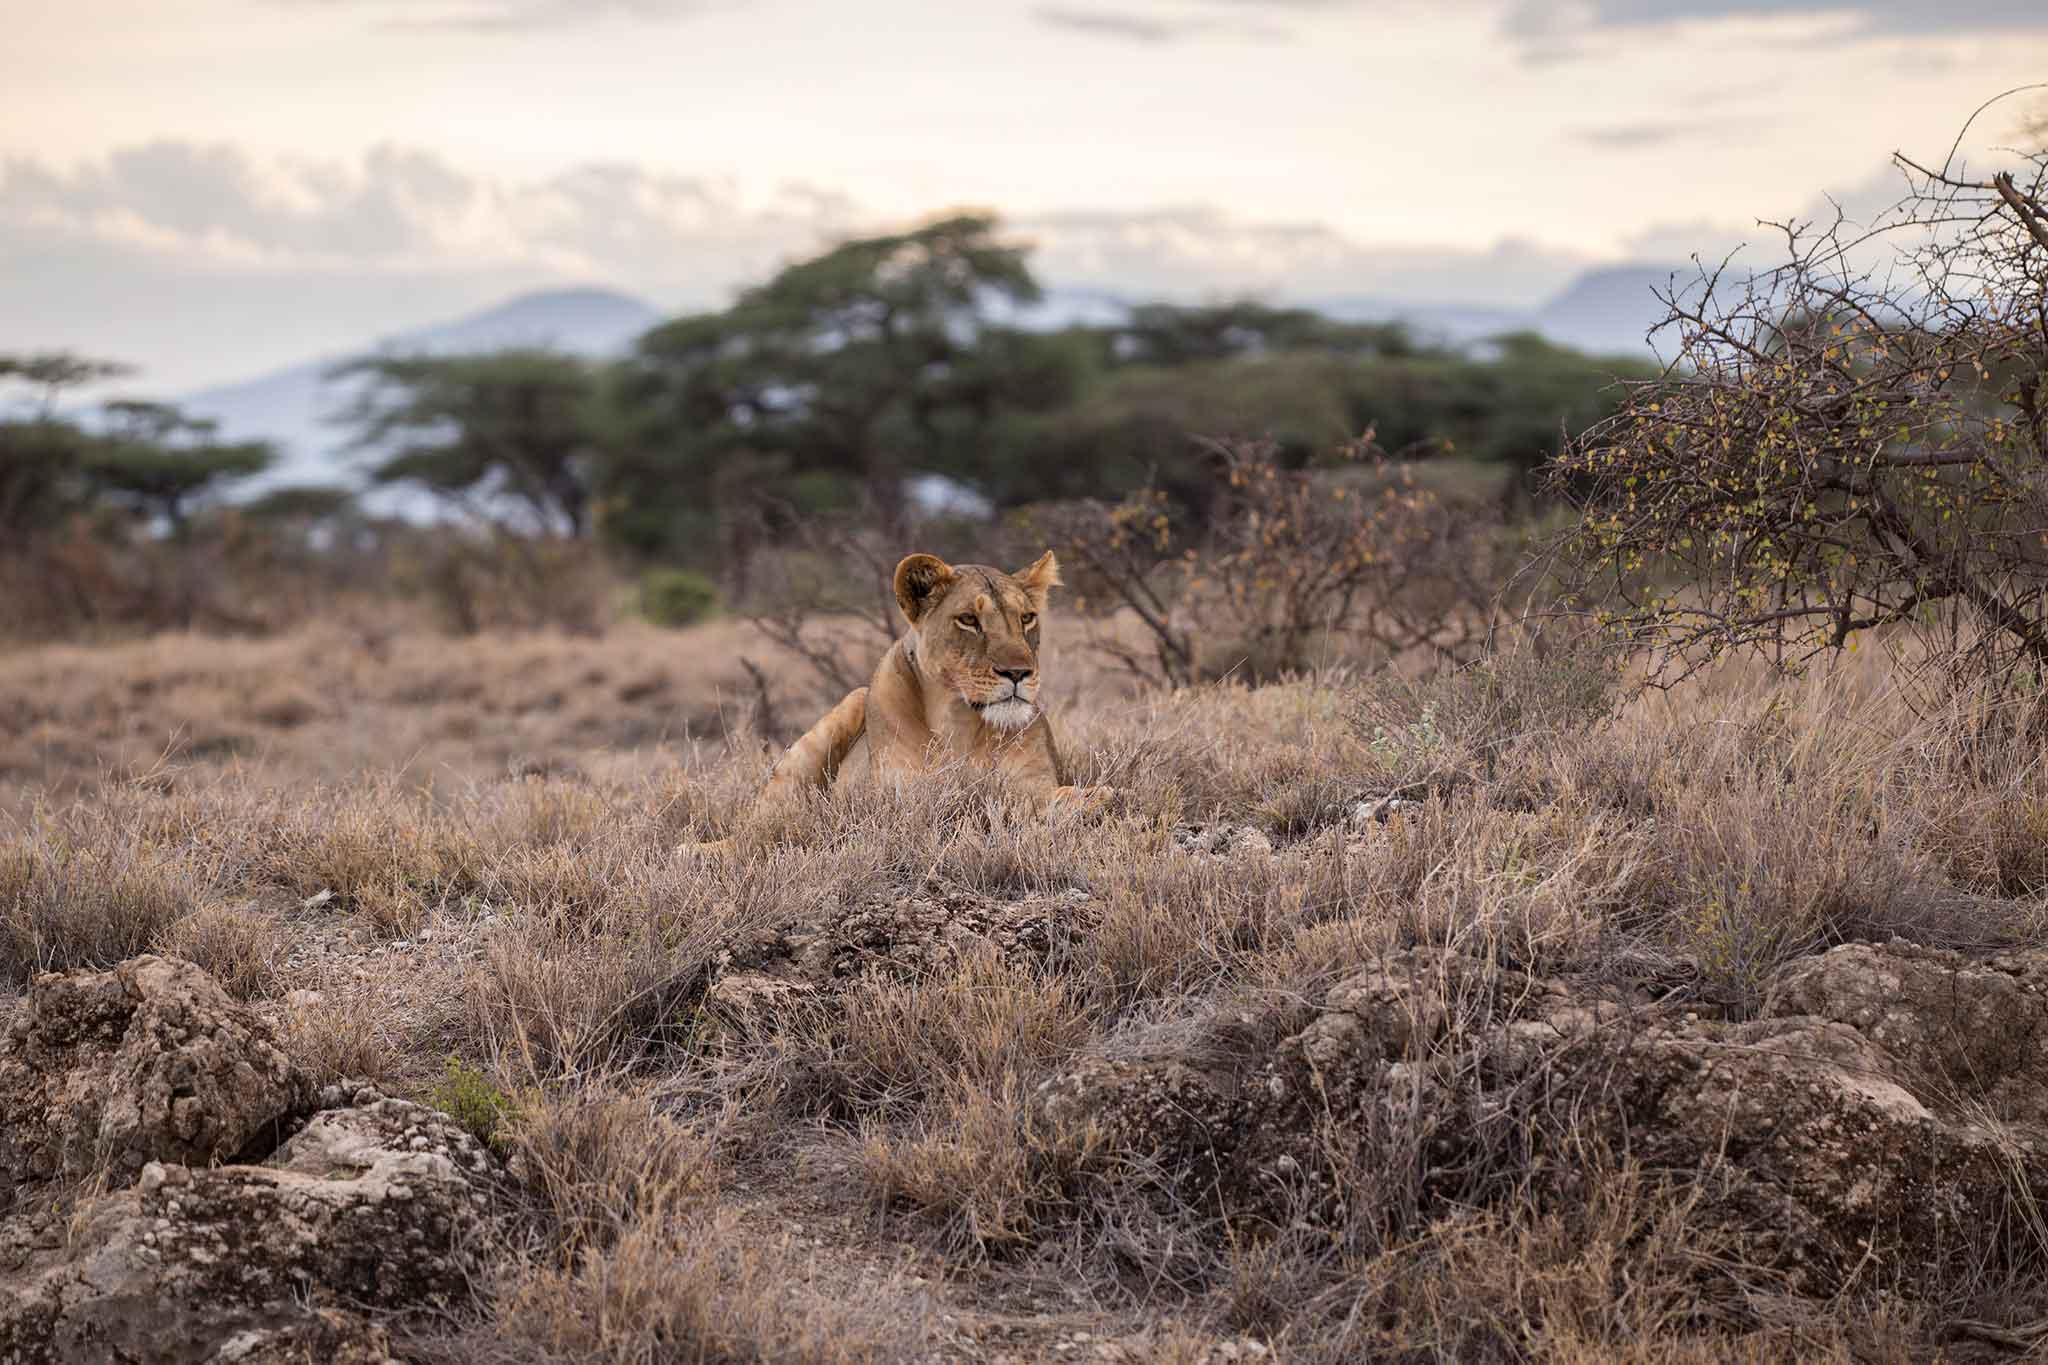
[(294, 406), (1610, 309), (1605, 310)]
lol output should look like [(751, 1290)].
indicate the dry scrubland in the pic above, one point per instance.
[(794, 1107)]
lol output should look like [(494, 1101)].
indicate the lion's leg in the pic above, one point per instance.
[(813, 761), (1078, 800)]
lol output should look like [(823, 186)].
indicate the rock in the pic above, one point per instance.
[(1377, 810), (1889, 1097), (903, 933), (152, 1061), (1948, 1024), (325, 1336), (1223, 841), (752, 1003), (381, 1207), (1171, 1111)]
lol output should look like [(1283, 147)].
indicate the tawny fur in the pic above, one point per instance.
[(960, 688)]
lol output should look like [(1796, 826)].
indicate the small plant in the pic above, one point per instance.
[(1459, 724), (473, 1100), (676, 597), (1418, 734)]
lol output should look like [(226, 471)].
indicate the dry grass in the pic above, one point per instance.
[(470, 849)]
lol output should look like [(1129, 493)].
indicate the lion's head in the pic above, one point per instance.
[(976, 629)]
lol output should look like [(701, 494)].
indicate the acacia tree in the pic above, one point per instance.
[(158, 462), (41, 453), (521, 426), (844, 374), (1856, 439)]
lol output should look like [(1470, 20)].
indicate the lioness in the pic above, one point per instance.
[(961, 687)]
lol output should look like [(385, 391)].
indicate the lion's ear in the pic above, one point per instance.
[(1041, 578), (920, 581)]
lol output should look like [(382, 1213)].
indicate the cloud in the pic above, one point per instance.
[(1648, 133), (397, 209), (1136, 28), (1195, 251), (1624, 136), (1537, 20), (1866, 202), (205, 262), (513, 16), (1132, 27)]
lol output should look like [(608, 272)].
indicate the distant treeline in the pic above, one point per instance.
[(838, 384)]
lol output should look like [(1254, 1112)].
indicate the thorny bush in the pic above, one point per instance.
[(1841, 443), (1293, 569)]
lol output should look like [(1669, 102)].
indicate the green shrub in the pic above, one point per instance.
[(473, 1100), (676, 597)]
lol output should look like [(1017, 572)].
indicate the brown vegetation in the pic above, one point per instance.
[(790, 1107)]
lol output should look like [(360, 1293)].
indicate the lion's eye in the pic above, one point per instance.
[(966, 621), (1029, 619)]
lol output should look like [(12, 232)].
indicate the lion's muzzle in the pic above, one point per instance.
[(1010, 705)]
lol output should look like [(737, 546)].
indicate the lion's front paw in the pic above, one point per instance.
[(1081, 800)]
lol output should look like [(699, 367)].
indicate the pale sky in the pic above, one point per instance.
[(210, 188)]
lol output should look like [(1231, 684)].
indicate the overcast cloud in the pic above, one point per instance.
[(1542, 17), (215, 187), (512, 16), (135, 224)]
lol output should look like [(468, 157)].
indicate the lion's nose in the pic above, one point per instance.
[(1015, 675)]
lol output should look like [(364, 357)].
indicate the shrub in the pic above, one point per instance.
[(1837, 448), (1291, 570), (676, 597), (1466, 718), (473, 1100)]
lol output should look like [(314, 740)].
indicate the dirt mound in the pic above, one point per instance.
[(145, 1077), (1886, 1097)]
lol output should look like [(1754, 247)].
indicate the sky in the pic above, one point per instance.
[(212, 188)]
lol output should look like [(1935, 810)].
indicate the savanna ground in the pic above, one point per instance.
[(452, 867)]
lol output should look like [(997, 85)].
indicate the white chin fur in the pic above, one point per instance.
[(1012, 713)]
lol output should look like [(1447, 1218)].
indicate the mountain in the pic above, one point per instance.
[(1611, 308), (294, 407), (1453, 323), (1606, 310)]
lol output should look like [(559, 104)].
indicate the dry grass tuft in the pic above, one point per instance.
[(82, 893), (240, 948)]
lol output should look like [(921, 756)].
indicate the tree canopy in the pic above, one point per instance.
[(521, 426), (841, 376), (842, 380), (147, 459)]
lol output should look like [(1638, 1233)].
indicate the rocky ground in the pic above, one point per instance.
[(175, 1188), (1415, 1022)]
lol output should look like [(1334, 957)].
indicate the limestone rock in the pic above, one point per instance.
[(1949, 1024), (1223, 841), (325, 1336), (150, 1061), (907, 932), (385, 1206), (1889, 1096)]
